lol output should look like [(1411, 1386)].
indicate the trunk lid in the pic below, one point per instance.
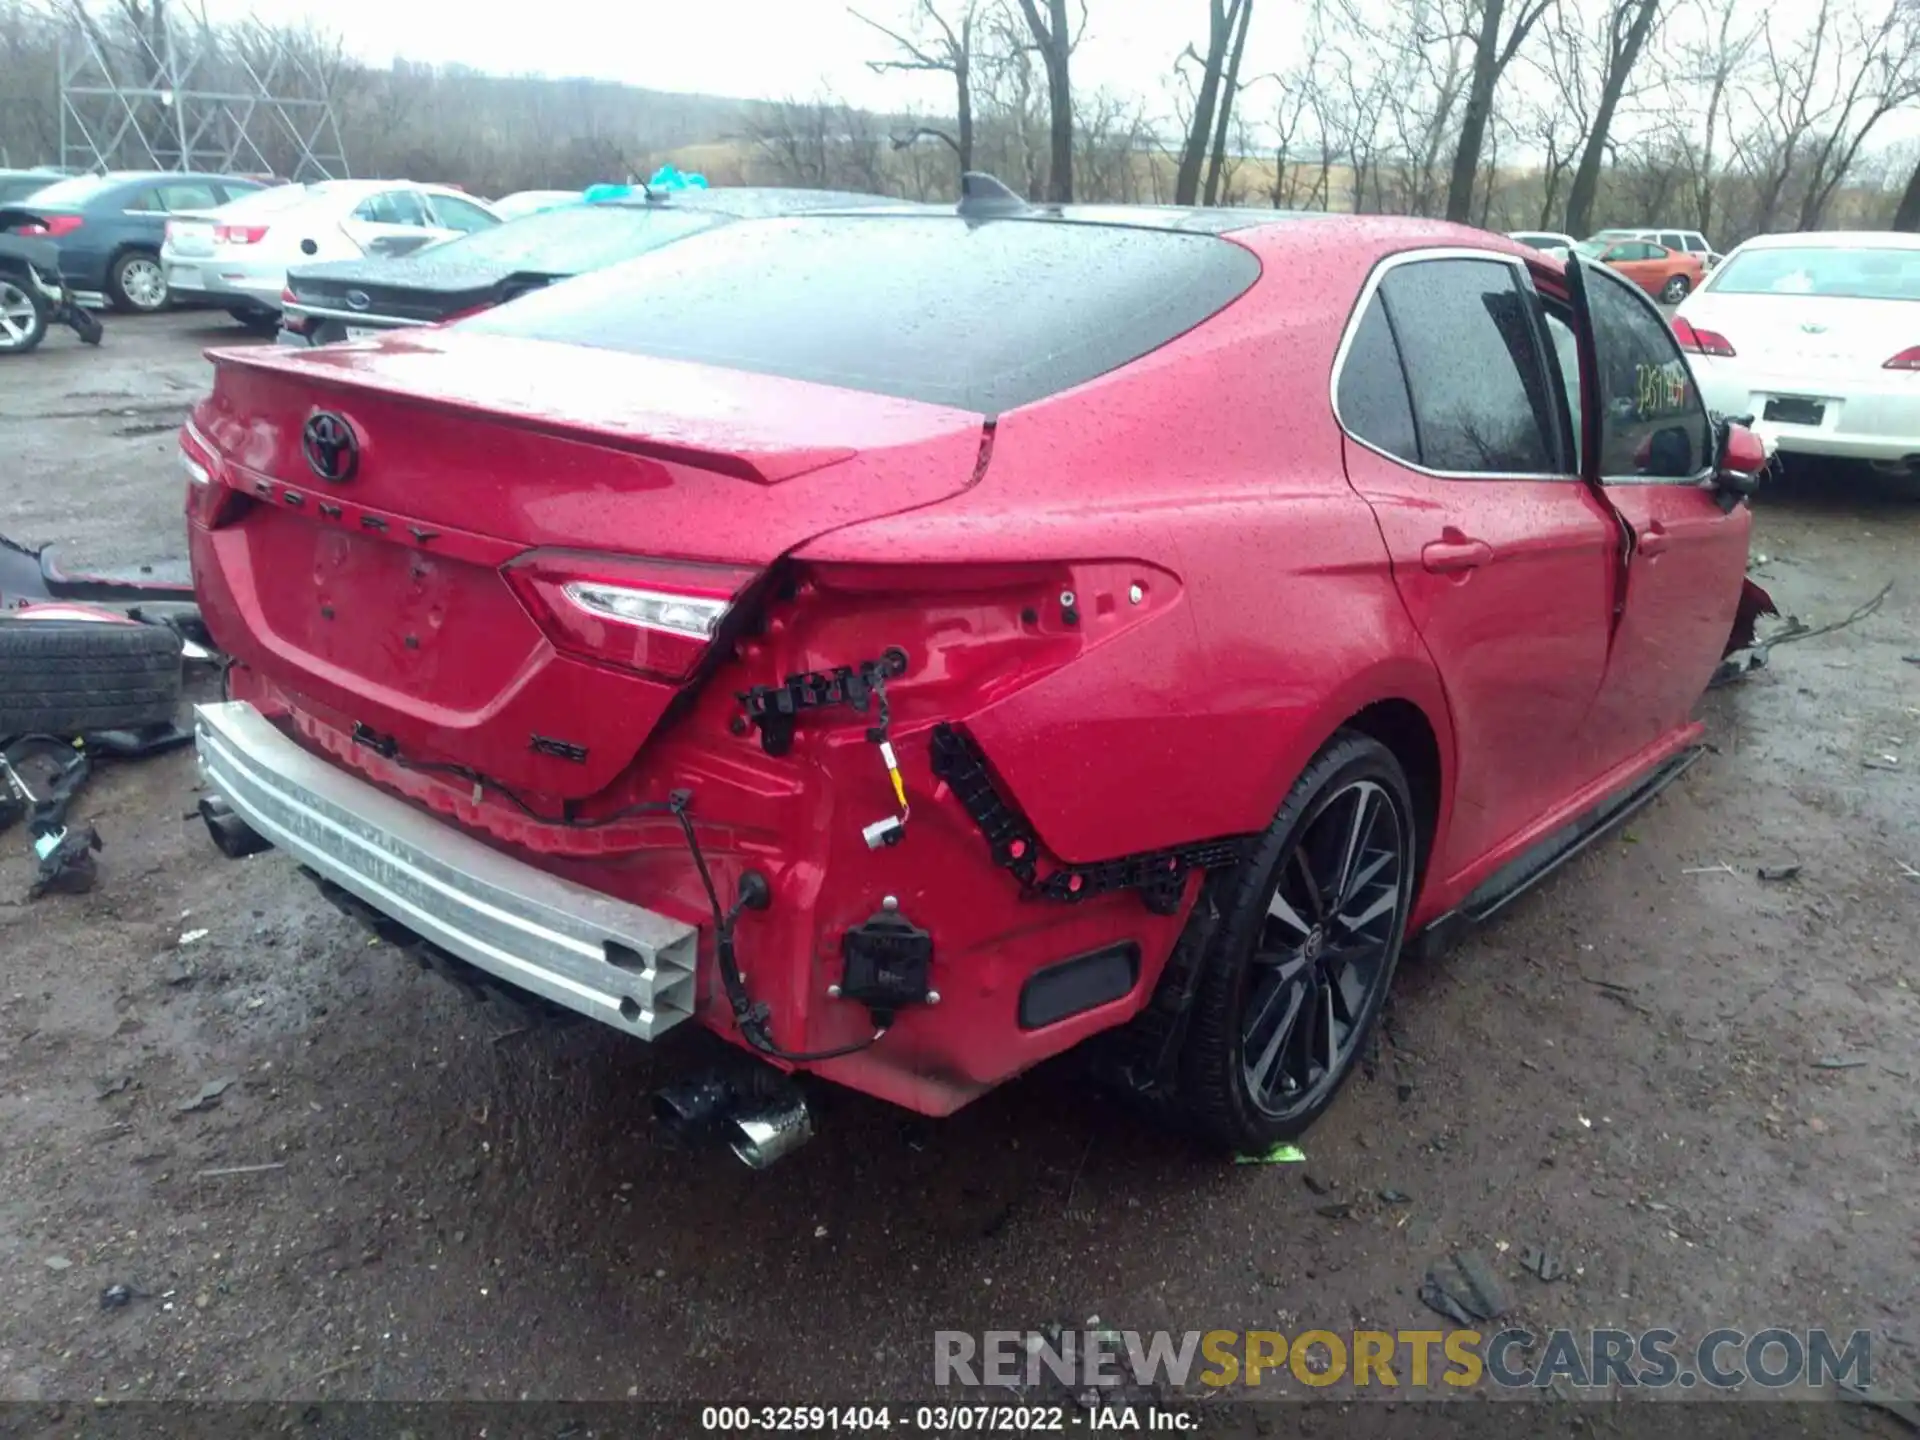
[(379, 597), (1817, 337), (418, 287), (190, 235)]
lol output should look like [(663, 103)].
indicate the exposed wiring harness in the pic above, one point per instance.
[(754, 894)]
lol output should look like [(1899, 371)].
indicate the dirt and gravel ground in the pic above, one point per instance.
[(1697, 1086)]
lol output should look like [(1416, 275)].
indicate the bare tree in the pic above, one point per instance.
[(1492, 53), (1056, 43), (1714, 66), (1883, 60), (1213, 98), (1628, 24), (1556, 113), (943, 46)]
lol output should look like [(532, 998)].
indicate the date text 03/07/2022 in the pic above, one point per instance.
[(944, 1419)]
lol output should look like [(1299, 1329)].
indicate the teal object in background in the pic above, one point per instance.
[(668, 178)]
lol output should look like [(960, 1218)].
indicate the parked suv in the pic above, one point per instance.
[(108, 229), (908, 644)]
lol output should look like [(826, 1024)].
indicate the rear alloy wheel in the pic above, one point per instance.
[(23, 319), (1300, 967), (1675, 290), (137, 284)]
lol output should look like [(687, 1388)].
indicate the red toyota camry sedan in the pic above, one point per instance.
[(910, 643)]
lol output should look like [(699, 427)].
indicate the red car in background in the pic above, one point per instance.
[(1667, 275), (911, 644)]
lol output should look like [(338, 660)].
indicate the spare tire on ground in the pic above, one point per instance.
[(70, 677)]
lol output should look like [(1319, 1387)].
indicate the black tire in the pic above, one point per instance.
[(260, 322), (137, 283), (72, 677), (23, 317), (1245, 975), (1675, 290)]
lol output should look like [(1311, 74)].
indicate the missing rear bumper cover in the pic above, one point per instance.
[(1160, 876)]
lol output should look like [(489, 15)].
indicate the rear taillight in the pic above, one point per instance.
[(53, 227), (1907, 359), (1701, 342), (659, 617), (210, 501), (239, 234)]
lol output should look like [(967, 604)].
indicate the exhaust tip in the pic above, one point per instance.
[(761, 1137), (231, 835)]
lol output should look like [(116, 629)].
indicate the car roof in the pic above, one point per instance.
[(1835, 240), (752, 202), (1191, 219)]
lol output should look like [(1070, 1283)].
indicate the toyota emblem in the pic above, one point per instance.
[(331, 449), (358, 299)]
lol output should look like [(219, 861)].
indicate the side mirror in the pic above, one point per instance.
[(1740, 461)]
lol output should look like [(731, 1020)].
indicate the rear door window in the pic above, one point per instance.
[(393, 207), (188, 196), (1372, 394), (1472, 343), (978, 316)]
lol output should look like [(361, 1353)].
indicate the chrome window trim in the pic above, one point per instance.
[(1385, 266)]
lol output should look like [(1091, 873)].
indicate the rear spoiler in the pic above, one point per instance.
[(705, 441)]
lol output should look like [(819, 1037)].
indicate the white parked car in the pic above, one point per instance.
[(1548, 242), (532, 202), (1814, 336), (237, 256)]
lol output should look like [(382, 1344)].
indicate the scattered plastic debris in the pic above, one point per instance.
[(1340, 1210), (193, 935), (59, 1262), (113, 1086), (1278, 1155), (1778, 872), (1464, 1291), (1395, 1197), (1834, 1062), (1542, 1263), (208, 1096), (66, 862), (116, 1297), (240, 1170)]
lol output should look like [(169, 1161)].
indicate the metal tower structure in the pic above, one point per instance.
[(161, 95)]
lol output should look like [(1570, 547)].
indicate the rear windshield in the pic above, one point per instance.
[(981, 317), (1850, 274), (76, 190), (574, 238)]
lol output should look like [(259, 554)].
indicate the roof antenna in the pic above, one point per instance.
[(984, 194)]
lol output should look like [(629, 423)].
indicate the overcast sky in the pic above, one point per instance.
[(779, 49), (762, 49)]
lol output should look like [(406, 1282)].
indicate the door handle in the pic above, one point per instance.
[(1455, 553), (1655, 539)]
